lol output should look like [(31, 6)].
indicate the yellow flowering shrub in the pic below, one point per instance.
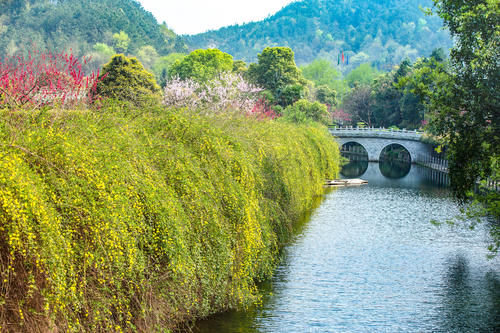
[(119, 220)]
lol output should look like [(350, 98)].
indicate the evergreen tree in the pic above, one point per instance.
[(125, 79)]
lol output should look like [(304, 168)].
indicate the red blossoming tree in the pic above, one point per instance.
[(45, 79)]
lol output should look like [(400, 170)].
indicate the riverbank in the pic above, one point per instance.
[(144, 220)]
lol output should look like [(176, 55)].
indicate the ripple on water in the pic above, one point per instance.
[(370, 260)]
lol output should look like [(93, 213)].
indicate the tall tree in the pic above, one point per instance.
[(276, 70), (358, 103), (321, 72), (467, 110), (202, 65), (363, 74)]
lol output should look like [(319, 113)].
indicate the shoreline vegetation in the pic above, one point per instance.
[(124, 218)]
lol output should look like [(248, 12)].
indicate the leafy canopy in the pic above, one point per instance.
[(382, 32), (126, 79), (467, 108), (363, 74), (303, 111), (276, 70), (202, 65), (321, 72)]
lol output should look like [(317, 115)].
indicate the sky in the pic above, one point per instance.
[(195, 16)]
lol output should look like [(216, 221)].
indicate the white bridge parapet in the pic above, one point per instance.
[(374, 140), (372, 132)]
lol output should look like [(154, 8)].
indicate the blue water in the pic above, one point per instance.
[(370, 260)]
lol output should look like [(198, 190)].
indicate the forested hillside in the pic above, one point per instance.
[(379, 31), (96, 27)]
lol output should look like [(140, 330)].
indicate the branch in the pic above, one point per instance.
[(28, 152)]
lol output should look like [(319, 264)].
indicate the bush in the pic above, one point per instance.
[(326, 95), (304, 110), (127, 220), (125, 79), (291, 94)]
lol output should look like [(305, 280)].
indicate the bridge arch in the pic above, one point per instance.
[(389, 150), (355, 149), (375, 140)]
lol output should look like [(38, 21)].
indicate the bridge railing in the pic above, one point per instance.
[(431, 162), (374, 129)]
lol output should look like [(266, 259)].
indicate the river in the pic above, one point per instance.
[(368, 259)]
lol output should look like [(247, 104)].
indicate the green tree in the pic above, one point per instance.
[(162, 64), (304, 110), (321, 72), (121, 41), (126, 79), (275, 70), (104, 49), (291, 94), (467, 110), (326, 95), (385, 101), (239, 66), (147, 55), (363, 74), (102, 54), (358, 103), (202, 65)]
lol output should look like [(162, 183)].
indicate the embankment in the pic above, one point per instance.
[(126, 220)]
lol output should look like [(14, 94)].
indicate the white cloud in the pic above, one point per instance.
[(195, 16)]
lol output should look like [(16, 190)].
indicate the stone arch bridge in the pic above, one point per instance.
[(374, 140)]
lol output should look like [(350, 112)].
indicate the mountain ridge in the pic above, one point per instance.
[(60, 25), (381, 32)]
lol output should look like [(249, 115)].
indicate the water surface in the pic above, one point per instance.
[(369, 260)]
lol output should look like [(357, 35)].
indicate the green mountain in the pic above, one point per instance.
[(379, 31), (60, 25)]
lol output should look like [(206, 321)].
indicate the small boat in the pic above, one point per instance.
[(346, 182)]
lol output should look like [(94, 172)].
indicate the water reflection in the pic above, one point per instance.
[(394, 169), (354, 169), (369, 260), (467, 293)]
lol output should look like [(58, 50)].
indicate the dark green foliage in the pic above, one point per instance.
[(304, 111), (326, 95), (397, 98), (467, 108), (382, 32), (125, 79), (358, 103), (277, 72), (386, 101), (239, 66), (202, 65), (79, 24), (291, 94)]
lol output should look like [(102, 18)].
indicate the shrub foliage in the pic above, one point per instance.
[(126, 79), (131, 220)]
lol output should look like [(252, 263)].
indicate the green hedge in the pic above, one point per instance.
[(121, 219)]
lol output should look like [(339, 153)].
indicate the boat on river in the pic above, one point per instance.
[(346, 182)]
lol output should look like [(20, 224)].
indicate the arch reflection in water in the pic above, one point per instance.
[(395, 161), (394, 169), (354, 169)]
